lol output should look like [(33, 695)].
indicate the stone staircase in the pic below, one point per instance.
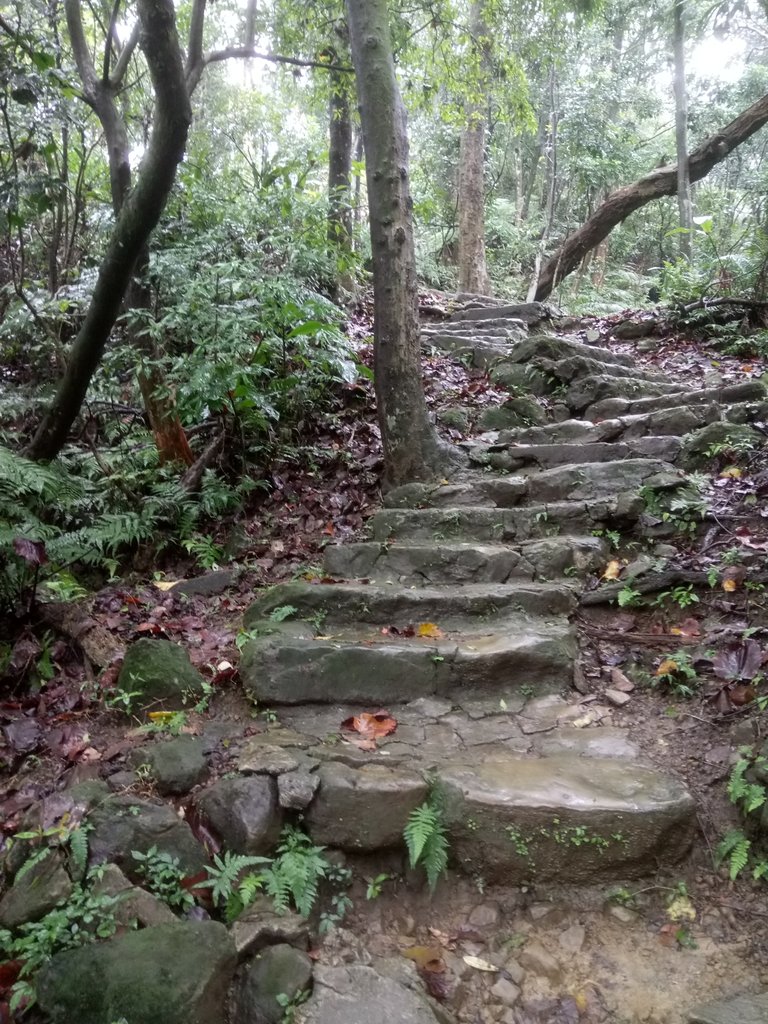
[(455, 616)]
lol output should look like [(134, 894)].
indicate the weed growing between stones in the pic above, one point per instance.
[(425, 837), (740, 848)]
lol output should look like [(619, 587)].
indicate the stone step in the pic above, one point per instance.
[(480, 523), (512, 819), (361, 666), (676, 421), (482, 352), (447, 563), (526, 795), (585, 392), (509, 457), (558, 349), (591, 480), (502, 492), (607, 408), (382, 605), (528, 312)]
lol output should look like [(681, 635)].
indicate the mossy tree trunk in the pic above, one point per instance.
[(411, 447)]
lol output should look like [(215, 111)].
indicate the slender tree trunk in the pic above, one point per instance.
[(138, 216), (550, 185), (660, 182), (681, 133), (340, 174), (411, 447), (473, 269)]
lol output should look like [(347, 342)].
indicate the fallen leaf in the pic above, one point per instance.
[(668, 667), (733, 577), (426, 958), (731, 473), (32, 551), (89, 755), (688, 627), (430, 630), (612, 570), (741, 695), (738, 661), (161, 716), (370, 726), (165, 584), (478, 964)]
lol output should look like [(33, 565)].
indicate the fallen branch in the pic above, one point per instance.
[(654, 582), (194, 475)]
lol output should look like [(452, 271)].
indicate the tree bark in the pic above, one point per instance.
[(138, 217), (411, 447), (660, 182), (473, 269), (681, 133), (340, 174)]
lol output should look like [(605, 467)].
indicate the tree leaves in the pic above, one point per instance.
[(738, 661)]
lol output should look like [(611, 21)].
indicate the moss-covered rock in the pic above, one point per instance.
[(159, 672), (715, 439)]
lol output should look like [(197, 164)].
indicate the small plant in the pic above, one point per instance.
[(207, 554), (683, 597), (627, 596), (231, 888), (747, 792), (677, 675), (375, 885), (426, 840), (289, 1004), (164, 878), (295, 874), (283, 612)]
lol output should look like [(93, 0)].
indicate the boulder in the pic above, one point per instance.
[(136, 906), (159, 672), (738, 1010), (124, 823), (244, 812), (727, 440), (351, 994), (515, 412), (278, 971), (260, 926), (36, 892), (176, 765), (365, 808), (175, 974)]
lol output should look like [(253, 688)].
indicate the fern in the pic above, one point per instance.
[(295, 873), (77, 841), (32, 861), (734, 847), (426, 840), (224, 875), (749, 796)]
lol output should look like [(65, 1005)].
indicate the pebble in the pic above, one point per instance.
[(515, 971), (487, 915), (617, 697), (537, 960), (505, 992), (572, 939), (623, 914)]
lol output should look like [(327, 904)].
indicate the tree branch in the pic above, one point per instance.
[(80, 51), (108, 42), (248, 53), (124, 59)]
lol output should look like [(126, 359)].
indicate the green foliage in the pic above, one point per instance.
[(163, 877), (734, 848), (425, 837), (748, 795), (230, 890), (85, 917), (296, 871), (677, 675)]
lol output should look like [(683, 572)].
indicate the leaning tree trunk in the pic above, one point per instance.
[(411, 447), (139, 214), (660, 182), (473, 269), (681, 133)]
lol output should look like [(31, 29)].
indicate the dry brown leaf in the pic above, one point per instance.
[(478, 964), (429, 630), (731, 473), (688, 627), (668, 667), (426, 958), (165, 584)]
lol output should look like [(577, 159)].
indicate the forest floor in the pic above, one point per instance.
[(589, 954)]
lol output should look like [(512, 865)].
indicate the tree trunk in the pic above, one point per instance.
[(473, 270), (139, 215), (550, 185), (681, 133), (660, 182), (411, 447), (340, 175)]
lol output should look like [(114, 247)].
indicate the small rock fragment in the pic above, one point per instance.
[(617, 697)]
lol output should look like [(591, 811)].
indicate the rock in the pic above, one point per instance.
[(205, 586), (514, 818), (260, 925), (244, 812), (125, 823), (534, 958), (505, 991), (177, 765), (296, 790), (739, 1010), (617, 697), (278, 971), (486, 916), (622, 914), (159, 673), (515, 970), (524, 378), (515, 412), (136, 906), (572, 939), (36, 892), (121, 781), (261, 758), (455, 417), (729, 438), (351, 994), (365, 808), (175, 974)]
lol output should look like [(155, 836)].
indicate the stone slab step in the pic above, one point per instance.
[(480, 523), (558, 349), (360, 666), (482, 352), (585, 392), (515, 456), (528, 312), (513, 819), (676, 421), (382, 605), (750, 391), (591, 480), (504, 492), (447, 563), (576, 367)]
